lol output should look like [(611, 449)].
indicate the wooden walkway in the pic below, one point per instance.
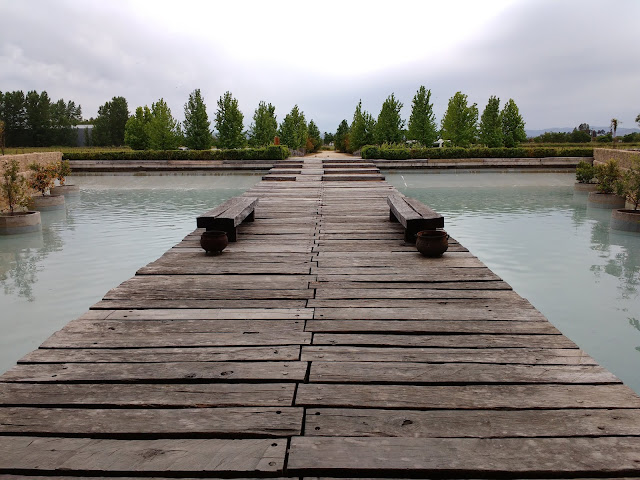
[(318, 345)]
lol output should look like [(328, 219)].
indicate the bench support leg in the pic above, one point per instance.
[(251, 217), (392, 217)]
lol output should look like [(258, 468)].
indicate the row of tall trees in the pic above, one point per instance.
[(459, 125), (36, 120), (155, 128)]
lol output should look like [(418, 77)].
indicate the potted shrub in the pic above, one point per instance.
[(63, 169), (585, 173), (41, 180), (609, 193), (629, 219), (14, 192)]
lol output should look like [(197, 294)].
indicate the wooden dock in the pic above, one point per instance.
[(317, 345)]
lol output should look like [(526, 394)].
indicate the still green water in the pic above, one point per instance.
[(116, 225), (554, 250), (530, 228)]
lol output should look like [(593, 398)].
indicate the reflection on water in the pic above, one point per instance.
[(543, 239), (116, 225)]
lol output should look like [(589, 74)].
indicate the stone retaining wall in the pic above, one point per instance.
[(24, 160), (625, 158)]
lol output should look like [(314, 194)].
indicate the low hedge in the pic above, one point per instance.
[(405, 153), (272, 152)]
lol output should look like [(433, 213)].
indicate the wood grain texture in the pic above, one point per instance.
[(179, 456), (153, 423), (533, 396), (444, 456), (178, 395)]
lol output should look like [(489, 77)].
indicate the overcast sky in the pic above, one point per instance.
[(564, 62)]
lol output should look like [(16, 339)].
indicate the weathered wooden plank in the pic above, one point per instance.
[(152, 423), (532, 396), (156, 457), (193, 268), (429, 326), (169, 395), (472, 423), (445, 456), (127, 326), (212, 281), (213, 314), (435, 311), (481, 304), (220, 294), (407, 261), (450, 341), (525, 356), (159, 301), (330, 293), (425, 373), (162, 355), (153, 372), (389, 284)]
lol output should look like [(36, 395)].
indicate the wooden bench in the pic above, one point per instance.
[(413, 215), (229, 215)]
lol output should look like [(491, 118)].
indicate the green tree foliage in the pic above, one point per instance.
[(35, 121), (512, 125), (389, 127), (136, 133), (196, 123), (293, 130), (422, 122), (362, 130), (459, 121), (328, 138), (64, 117), (109, 125), (1, 134), (164, 131), (490, 130), (264, 127), (341, 138), (314, 136), (14, 185), (229, 123), (38, 110)]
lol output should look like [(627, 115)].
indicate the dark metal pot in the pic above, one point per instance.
[(214, 241), (432, 243)]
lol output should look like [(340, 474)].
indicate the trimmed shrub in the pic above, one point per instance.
[(584, 172), (271, 152), (392, 152)]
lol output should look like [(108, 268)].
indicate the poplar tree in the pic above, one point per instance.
[(362, 129), (293, 130), (109, 125), (512, 125), (341, 139), (422, 122), (197, 134), (314, 136), (491, 125), (264, 127), (229, 123), (136, 132), (459, 121), (389, 125), (164, 130)]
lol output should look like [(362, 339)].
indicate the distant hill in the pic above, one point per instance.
[(620, 132)]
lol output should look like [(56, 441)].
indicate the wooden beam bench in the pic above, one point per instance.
[(413, 215), (229, 215)]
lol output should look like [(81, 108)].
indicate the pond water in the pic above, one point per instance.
[(530, 228), (116, 225), (553, 249)]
